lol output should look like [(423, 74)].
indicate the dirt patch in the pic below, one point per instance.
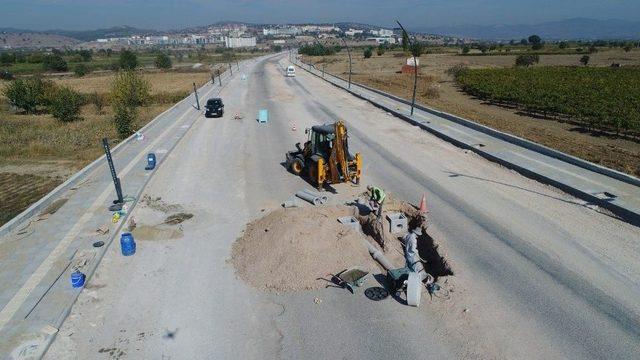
[(178, 218), (156, 203), (158, 232), (294, 249)]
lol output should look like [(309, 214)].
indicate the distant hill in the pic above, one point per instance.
[(570, 29), (112, 32), (87, 35), (33, 40)]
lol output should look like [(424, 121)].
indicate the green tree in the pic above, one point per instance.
[(26, 94), (86, 55), (128, 60), (64, 104), (563, 45), (7, 58), (54, 62), (124, 116), (163, 61), (527, 60), (130, 89), (381, 49), (585, 60), (535, 39), (593, 49), (466, 49), (81, 70), (405, 41), (367, 53), (416, 49), (627, 48)]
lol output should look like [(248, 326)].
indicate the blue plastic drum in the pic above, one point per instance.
[(77, 279), (127, 244)]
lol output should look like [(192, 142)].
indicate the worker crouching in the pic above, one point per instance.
[(376, 200)]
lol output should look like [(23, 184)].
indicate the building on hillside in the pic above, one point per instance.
[(353, 32), (381, 33), (382, 40), (282, 31), (239, 42)]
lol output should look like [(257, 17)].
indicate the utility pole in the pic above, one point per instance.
[(195, 91), (219, 77), (213, 79), (117, 204), (230, 68), (415, 67), (349, 52)]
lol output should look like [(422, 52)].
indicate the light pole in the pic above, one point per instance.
[(415, 67), (349, 52)]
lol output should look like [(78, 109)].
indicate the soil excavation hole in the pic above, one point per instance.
[(434, 263)]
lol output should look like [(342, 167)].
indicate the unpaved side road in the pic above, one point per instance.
[(538, 274)]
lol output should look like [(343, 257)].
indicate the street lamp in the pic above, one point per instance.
[(415, 66), (349, 52)]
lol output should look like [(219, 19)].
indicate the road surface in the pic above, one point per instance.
[(537, 273)]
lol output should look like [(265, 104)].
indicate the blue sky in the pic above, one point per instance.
[(168, 14)]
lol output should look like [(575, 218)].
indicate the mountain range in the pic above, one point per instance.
[(569, 29)]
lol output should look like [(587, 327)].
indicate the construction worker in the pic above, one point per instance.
[(376, 200), (411, 247)]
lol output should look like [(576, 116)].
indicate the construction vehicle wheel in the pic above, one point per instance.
[(297, 166)]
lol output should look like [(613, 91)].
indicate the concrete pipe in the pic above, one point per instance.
[(308, 197), (323, 198)]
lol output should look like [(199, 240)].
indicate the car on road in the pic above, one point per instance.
[(291, 71), (214, 107)]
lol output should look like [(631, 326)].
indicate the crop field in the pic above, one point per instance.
[(598, 98), (18, 191)]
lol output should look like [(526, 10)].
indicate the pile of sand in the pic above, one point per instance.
[(290, 249)]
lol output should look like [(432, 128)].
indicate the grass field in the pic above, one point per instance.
[(438, 89)]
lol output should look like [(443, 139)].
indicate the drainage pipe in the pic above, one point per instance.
[(308, 197), (380, 258), (323, 198)]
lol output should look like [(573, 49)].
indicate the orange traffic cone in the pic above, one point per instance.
[(423, 205)]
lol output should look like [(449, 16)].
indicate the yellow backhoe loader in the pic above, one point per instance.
[(325, 157)]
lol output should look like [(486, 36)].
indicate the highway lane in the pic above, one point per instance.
[(532, 268)]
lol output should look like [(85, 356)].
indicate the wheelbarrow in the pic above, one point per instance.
[(351, 278)]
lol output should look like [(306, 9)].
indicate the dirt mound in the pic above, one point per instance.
[(290, 249)]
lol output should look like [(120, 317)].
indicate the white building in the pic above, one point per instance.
[(238, 42), (382, 32), (383, 40), (284, 31), (353, 32)]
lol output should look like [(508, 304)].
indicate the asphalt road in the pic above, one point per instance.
[(537, 273)]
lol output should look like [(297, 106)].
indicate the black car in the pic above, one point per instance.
[(214, 107)]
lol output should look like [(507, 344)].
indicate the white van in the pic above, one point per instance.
[(291, 71)]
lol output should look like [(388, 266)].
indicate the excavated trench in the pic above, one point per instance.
[(428, 249)]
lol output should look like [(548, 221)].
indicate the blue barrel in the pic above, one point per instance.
[(77, 279), (127, 244)]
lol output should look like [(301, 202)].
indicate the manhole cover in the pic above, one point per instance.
[(376, 293)]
